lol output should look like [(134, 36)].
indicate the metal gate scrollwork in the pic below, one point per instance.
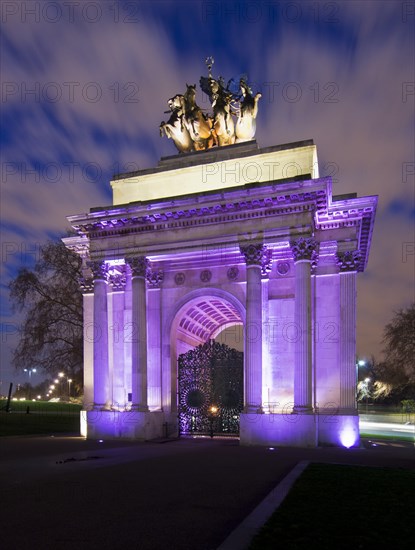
[(210, 384)]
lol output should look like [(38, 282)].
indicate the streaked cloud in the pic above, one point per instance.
[(82, 100)]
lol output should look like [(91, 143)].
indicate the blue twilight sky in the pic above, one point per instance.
[(85, 84)]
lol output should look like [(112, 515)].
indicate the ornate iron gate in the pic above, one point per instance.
[(210, 385)]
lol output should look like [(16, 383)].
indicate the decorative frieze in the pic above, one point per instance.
[(283, 268), (349, 260), (304, 249), (206, 276), (233, 273), (179, 279), (139, 266), (155, 278)]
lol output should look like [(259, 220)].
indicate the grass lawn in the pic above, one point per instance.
[(343, 507), (44, 418)]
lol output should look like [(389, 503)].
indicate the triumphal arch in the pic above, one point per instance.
[(223, 236)]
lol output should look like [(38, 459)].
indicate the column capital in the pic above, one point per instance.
[(349, 261), (86, 284), (117, 280), (155, 278), (253, 253), (99, 270), (304, 249), (139, 265)]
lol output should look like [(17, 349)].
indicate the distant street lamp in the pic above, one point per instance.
[(29, 371), (69, 387)]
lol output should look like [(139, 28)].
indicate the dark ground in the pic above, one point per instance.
[(186, 494)]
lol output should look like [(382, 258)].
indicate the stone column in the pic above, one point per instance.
[(154, 281), (253, 329), (348, 263), (304, 253), (101, 363), (139, 267), (87, 288), (117, 282)]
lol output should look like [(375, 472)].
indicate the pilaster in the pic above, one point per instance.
[(348, 263), (154, 281)]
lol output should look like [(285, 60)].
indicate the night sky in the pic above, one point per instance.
[(85, 85)]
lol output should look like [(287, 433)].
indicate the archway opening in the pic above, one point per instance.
[(207, 347)]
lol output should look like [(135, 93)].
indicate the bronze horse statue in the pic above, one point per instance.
[(175, 128), (199, 126), (221, 99)]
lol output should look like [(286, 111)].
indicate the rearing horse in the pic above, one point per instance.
[(197, 124), (223, 125), (175, 128)]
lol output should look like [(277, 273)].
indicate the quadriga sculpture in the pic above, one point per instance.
[(193, 130)]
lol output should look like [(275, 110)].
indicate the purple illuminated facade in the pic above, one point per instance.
[(232, 237)]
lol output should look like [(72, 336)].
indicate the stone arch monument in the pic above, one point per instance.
[(225, 236)]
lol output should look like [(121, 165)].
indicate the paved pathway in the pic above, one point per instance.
[(65, 492)]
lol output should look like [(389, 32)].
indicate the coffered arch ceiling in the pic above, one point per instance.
[(203, 317)]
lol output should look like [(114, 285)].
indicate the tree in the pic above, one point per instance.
[(51, 336), (396, 373)]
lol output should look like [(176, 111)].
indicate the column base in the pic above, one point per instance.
[(99, 424), (253, 409), (139, 408), (299, 430), (101, 407), (302, 410)]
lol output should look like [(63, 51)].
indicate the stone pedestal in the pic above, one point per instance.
[(285, 430), (338, 430), (123, 425)]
